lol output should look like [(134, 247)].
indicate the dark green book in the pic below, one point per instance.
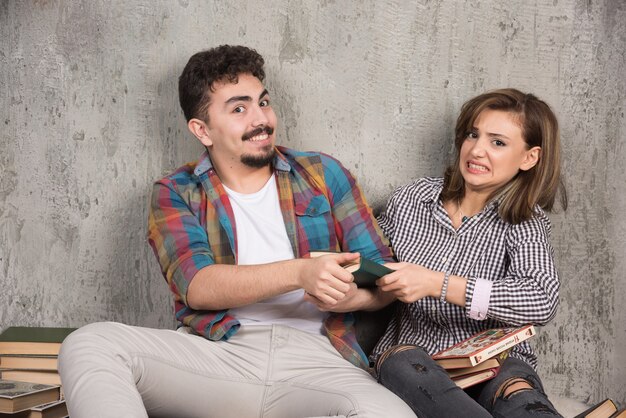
[(33, 340), (365, 271)]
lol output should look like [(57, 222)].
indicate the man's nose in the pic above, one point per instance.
[(259, 117)]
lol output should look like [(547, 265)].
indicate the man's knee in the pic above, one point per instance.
[(86, 340)]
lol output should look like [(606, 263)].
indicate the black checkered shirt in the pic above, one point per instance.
[(517, 259)]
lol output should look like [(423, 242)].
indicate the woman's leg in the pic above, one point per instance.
[(516, 392), (418, 380)]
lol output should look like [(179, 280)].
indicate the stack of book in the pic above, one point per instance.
[(30, 400), (30, 355), (478, 358)]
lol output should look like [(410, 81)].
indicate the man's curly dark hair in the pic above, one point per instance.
[(222, 63)]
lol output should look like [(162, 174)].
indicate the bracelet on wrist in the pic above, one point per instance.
[(444, 287)]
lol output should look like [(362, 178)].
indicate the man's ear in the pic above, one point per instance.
[(531, 159), (201, 131)]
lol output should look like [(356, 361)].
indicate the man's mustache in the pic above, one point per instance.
[(258, 131)]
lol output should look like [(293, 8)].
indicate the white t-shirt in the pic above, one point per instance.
[(261, 239)]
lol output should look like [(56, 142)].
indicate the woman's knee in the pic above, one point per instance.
[(426, 387), (406, 363), (518, 397), (517, 391), (512, 386), (399, 356)]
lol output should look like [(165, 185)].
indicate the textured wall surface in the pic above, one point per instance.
[(89, 118)]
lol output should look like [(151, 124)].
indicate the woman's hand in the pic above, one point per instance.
[(411, 282)]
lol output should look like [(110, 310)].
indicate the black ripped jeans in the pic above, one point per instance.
[(416, 378)]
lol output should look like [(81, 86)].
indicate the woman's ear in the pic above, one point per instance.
[(531, 159), (201, 131)]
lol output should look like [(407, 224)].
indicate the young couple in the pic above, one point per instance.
[(267, 331)]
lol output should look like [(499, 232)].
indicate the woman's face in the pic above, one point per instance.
[(494, 151)]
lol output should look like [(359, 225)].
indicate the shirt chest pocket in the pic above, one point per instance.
[(315, 220)]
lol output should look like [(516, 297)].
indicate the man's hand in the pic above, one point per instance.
[(355, 300), (411, 282), (221, 286), (349, 303), (324, 278)]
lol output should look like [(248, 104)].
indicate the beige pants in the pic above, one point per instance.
[(115, 370)]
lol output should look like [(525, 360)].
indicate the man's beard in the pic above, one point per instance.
[(263, 160), (259, 161)]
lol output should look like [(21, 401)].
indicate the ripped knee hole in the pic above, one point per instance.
[(392, 351), (513, 386)]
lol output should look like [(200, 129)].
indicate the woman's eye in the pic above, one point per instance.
[(472, 135), (498, 143)]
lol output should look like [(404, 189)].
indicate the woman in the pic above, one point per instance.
[(474, 254)]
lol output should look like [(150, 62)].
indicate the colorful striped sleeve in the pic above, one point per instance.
[(176, 235)]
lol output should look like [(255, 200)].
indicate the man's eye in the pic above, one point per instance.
[(238, 109), (264, 103)]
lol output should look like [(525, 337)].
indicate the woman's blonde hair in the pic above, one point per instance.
[(537, 186)]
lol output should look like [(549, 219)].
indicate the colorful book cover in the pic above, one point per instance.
[(482, 346)]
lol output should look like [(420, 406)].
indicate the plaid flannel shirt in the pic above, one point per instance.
[(192, 226)]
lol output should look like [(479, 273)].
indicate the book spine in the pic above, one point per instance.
[(514, 339)]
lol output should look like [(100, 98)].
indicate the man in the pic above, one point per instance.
[(231, 233)]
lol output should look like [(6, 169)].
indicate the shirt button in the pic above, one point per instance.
[(444, 259)]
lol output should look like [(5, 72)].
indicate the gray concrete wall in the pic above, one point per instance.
[(89, 118)]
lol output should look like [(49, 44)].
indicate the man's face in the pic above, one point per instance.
[(241, 123)]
